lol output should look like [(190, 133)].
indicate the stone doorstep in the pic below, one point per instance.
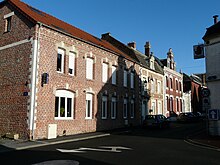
[(12, 136)]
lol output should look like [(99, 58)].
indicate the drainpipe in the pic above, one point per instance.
[(34, 79)]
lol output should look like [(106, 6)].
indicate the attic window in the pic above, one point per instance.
[(36, 11), (8, 18)]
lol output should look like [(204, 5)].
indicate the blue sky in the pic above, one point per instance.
[(176, 24)]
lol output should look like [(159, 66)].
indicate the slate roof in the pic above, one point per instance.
[(212, 31), (135, 54), (37, 16)]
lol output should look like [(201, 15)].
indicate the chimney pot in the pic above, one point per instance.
[(215, 19), (132, 45)]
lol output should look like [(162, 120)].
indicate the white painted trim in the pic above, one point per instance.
[(14, 44), (9, 15)]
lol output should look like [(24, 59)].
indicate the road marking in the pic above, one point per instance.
[(106, 149)]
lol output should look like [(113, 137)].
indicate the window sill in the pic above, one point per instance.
[(63, 118)]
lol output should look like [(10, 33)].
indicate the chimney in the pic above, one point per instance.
[(215, 19), (147, 48), (132, 45)]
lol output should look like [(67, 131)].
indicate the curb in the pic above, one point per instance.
[(61, 141)]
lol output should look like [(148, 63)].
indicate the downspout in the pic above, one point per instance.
[(34, 79)]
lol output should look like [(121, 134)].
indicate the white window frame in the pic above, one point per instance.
[(8, 21), (114, 75), (113, 107), (104, 72), (104, 107), (72, 57), (62, 53), (152, 86), (125, 78), (64, 94), (89, 68), (125, 109), (132, 108), (159, 87), (89, 99)]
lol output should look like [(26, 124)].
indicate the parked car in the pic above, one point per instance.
[(172, 117), (187, 117), (159, 121)]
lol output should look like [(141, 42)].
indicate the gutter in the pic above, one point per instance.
[(34, 81)]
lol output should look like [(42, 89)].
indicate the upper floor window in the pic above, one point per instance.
[(72, 57), (104, 72), (171, 83), (60, 60), (8, 18), (125, 78), (158, 87), (167, 82), (177, 85), (180, 86), (132, 79), (114, 75), (64, 104), (89, 68), (152, 86)]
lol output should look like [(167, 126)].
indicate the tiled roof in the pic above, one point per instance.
[(37, 16), (212, 31)]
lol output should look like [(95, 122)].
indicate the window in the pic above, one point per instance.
[(60, 60), (132, 79), (167, 82), (104, 107), (114, 75), (132, 109), (177, 104), (152, 86), (180, 86), (171, 104), (158, 87), (113, 107), (89, 68), (177, 85), (152, 64), (171, 83), (64, 104), (125, 78), (89, 106), (125, 109), (153, 107), (8, 24), (104, 72), (72, 57)]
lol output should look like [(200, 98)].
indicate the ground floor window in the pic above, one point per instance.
[(125, 109), (89, 102), (113, 108), (64, 101), (132, 109), (104, 107)]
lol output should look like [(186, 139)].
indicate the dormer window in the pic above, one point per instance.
[(8, 18), (152, 62)]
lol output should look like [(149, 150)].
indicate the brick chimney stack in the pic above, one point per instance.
[(215, 19), (147, 48), (132, 45)]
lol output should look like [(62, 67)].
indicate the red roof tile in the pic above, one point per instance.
[(36, 16)]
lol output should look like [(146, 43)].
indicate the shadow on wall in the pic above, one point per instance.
[(118, 100)]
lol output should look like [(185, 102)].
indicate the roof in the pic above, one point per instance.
[(212, 31), (37, 16), (133, 53)]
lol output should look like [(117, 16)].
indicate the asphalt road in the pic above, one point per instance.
[(135, 146)]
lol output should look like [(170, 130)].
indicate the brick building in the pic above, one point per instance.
[(56, 79), (173, 86), (150, 73)]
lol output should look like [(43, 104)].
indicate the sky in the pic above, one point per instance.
[(176, 24)]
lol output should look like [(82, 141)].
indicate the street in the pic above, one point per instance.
[(133, 146)]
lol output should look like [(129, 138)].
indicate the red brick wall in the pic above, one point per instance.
[(14, 75)]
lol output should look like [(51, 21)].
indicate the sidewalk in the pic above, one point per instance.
[(203, 139), (9, 144)]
